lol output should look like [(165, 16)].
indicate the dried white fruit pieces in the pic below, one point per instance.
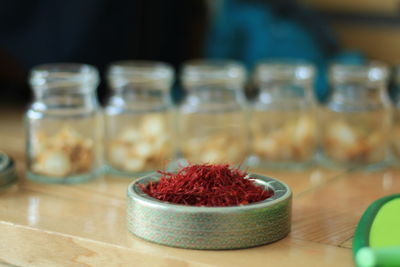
[(343, 142), (144, 147), (64, 154), (294, 141), (218, 148)]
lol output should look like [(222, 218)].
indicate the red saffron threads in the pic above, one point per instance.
[(207, 185)]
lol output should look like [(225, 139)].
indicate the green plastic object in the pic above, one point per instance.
[(377, 237)]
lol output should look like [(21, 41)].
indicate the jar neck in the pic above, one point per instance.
[(138, 97), (215, 94), (214, 98), (286, 92), (65, 98), (358, 96)]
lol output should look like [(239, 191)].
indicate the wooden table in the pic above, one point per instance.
[(84, 225)]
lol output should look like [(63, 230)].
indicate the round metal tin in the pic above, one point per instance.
[(210, 227), (7, 171)]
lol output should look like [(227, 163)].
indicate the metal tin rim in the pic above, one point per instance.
[(135, 194), (210, 228)]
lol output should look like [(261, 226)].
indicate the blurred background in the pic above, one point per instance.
[(98, 32)]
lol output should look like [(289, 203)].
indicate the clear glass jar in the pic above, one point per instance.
[(139, 117), (63, 124), (356, 117), (211, 119), (283, 116)]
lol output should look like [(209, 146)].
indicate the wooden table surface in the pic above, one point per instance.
[(84, 225)]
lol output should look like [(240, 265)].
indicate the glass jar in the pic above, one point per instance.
[(139, 117), (211, 120), (63, 124), (283, 117), (356, 117)]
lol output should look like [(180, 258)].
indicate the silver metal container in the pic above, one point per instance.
[(8, 175), (210, 227)]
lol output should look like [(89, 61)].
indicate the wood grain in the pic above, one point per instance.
[(33, 247), (84, 225), (330, 214)]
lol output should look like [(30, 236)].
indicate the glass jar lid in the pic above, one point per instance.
[(156, 75), (64, 75), (213, 72), (374, 72), (7, 171), (281, 70)]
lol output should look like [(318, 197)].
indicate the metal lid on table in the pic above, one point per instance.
[(8, 175)]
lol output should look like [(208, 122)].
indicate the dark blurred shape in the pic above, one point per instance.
[(96, 32), (250, 30)]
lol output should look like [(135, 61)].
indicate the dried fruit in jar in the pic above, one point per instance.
[(218, 148), (144, 147), (294, 141), (64, 154), (343, 142)]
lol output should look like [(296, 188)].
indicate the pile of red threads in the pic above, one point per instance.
[(207, 185)]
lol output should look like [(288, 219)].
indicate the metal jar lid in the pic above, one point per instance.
[(8, 175), (210, 227)]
